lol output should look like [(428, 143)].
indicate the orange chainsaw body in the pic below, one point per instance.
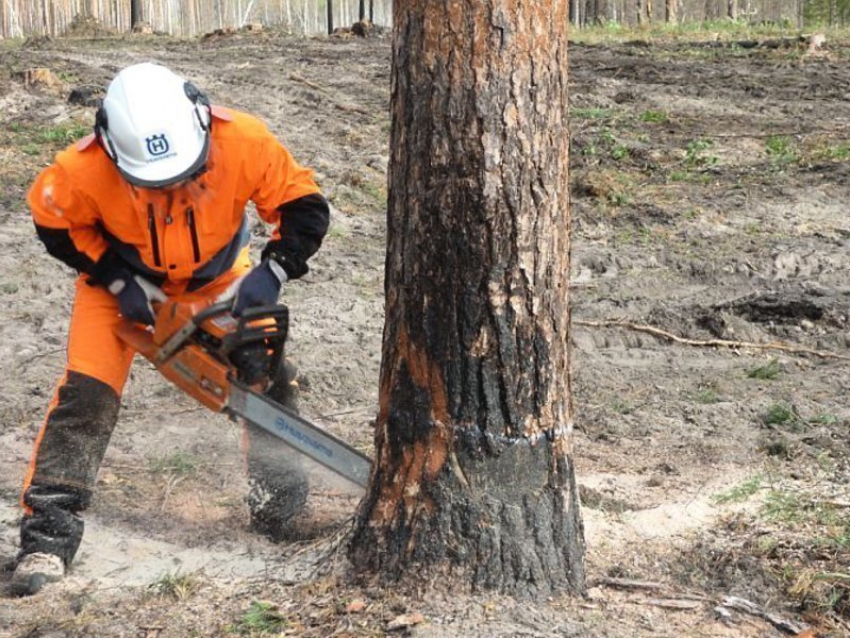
[(193, 345), (198, 373)]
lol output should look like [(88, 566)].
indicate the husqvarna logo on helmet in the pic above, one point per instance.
[(157, 145)]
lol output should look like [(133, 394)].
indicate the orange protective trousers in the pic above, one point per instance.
[(70, 445)]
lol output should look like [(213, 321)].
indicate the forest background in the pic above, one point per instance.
[(25, 18)]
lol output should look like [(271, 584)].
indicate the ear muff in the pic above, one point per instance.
[(101, 133), (202, 105)]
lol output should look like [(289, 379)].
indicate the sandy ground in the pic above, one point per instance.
[(709, 193)]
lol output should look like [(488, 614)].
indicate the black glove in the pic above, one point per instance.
[(261, 287), (134, 300), (135, 294)]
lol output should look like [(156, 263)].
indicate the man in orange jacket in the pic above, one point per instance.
[(154, 204)]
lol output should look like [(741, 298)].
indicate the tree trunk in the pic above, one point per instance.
[(473, 475), (672, 10), (330, 17), (733, 9)]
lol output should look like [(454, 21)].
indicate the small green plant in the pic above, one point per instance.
[(779, 414), (591, 113), (768, 371), (621, 407), (838, 153), (177, 586), (9, 288), (784, 507), (740, 493), (780, 149), (62, 134), (260, 619), (619, 198), (824, 419), (619, 152), (694, 153), (375, 192), (337, 232), (607, 136), (653, 117), (589, 149), (179, 463), (706, 396), (688, 177)]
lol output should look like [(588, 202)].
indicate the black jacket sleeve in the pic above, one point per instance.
[(303, 225)]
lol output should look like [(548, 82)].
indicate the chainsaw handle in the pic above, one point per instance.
[(214, 310)]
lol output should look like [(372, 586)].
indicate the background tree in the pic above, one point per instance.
[(473, 471), (135, 12)]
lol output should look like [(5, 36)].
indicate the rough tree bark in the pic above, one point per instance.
[(473, 476), (135, 13), (672, 11)]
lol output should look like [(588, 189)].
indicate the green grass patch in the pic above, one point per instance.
[(591, 113), (177, 586), (36, 141), (688, 177), (739, 493), (834, 153), (63, 134), (706, 396), (785, 506), (654, 117), (768, 371), (621, 407), (261, 618), (179, 463), (780, 414), (781, 150), (824, 419), (695, 153), (619, 152), (337, 232)]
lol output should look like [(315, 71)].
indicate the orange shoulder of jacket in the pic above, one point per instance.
[(85, 161), (239, 123)]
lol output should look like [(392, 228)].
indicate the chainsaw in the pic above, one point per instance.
[(226, 362)]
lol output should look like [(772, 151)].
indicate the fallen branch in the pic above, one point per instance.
[(348, 108), (672, 603), (297, 78), (745, 606), (836, 504), (710, 343), (628, 583)]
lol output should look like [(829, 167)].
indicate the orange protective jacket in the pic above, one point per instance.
[(187, 236)]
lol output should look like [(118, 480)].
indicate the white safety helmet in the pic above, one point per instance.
[(154, 125)]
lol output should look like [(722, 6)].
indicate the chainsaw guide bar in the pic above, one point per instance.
[(198, 347)]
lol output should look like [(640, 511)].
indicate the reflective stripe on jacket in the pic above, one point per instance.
[(192, 233)]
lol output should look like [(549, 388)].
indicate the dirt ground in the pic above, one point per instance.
[(710, 186)]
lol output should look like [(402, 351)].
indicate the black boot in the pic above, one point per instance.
[(50, 536)]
